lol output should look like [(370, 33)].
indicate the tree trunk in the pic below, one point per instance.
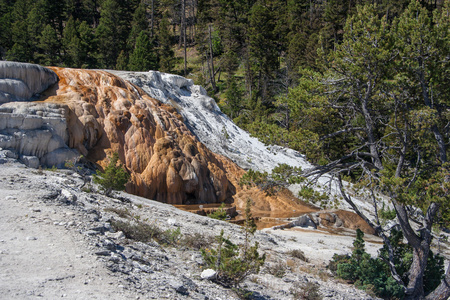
[(414, 290), (213, 80), (152, 17), (370, 127), (442, 292), (184, 36)]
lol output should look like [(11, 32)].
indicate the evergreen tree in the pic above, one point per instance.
[(49, 46), (122, 61), (263, 50), (143, 57), (139, 24), (5, 25), (166, 54), (22, 49), (107, 34), (71, 44), (382, 91), (87, 46)]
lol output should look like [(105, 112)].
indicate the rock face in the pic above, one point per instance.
[(105, 114), (37, 131), (213, 128), (95, 113), (20, 81)]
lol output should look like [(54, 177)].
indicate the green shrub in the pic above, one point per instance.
[(173, 236), (234, 263), (373, 274), (138, 231), (231, 262), (220, 213), (308, 194), (386, 213), (307, 291), (113, 178)]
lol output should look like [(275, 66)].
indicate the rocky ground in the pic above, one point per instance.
[(57, 240)]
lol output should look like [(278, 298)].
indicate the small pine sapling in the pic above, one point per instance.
[(234, 263), (113, 178)]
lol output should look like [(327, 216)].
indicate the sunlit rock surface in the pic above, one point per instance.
[(21, 81), (213, 128), (106, 114), (95, 113), (30, 127)]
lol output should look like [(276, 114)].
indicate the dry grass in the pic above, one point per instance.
[(306, 291), (197, 241), (321, 273), (297, 253), (121, 212)]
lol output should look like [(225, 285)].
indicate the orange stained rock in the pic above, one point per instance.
[(106, 114)]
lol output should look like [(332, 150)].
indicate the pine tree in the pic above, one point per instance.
[(114, 176), (49, 46), (5, 24), (22, 49), (143, 57), (71, 44), (139, 24), (107, 34), (87, 46), (122, 61), (165, 52)]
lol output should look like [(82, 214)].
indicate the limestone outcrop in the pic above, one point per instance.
[(21, 81), (105, 114), (95, 113), (35, 130)]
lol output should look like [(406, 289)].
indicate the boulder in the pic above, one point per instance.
[(30, 161), (208, 274), (304, 221)]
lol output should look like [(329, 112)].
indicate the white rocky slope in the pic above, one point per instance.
[(209, 124), (21, 81), (56, 241), (218, 132)]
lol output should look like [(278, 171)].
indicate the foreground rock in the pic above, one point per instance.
[(58, 241)]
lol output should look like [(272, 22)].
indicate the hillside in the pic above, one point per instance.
[(56, 241)]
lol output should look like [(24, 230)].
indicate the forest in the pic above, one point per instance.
[(362, 88), (248, 53)]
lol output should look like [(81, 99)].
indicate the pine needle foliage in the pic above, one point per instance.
[(113, 178), (234, 263)]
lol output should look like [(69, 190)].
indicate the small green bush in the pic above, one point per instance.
[(386, 213), (308, 194), (220, 213), (173, 236), (234, 263), (113, 178), (297, 253), (138, 231), (231, 262), (307, 291)]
